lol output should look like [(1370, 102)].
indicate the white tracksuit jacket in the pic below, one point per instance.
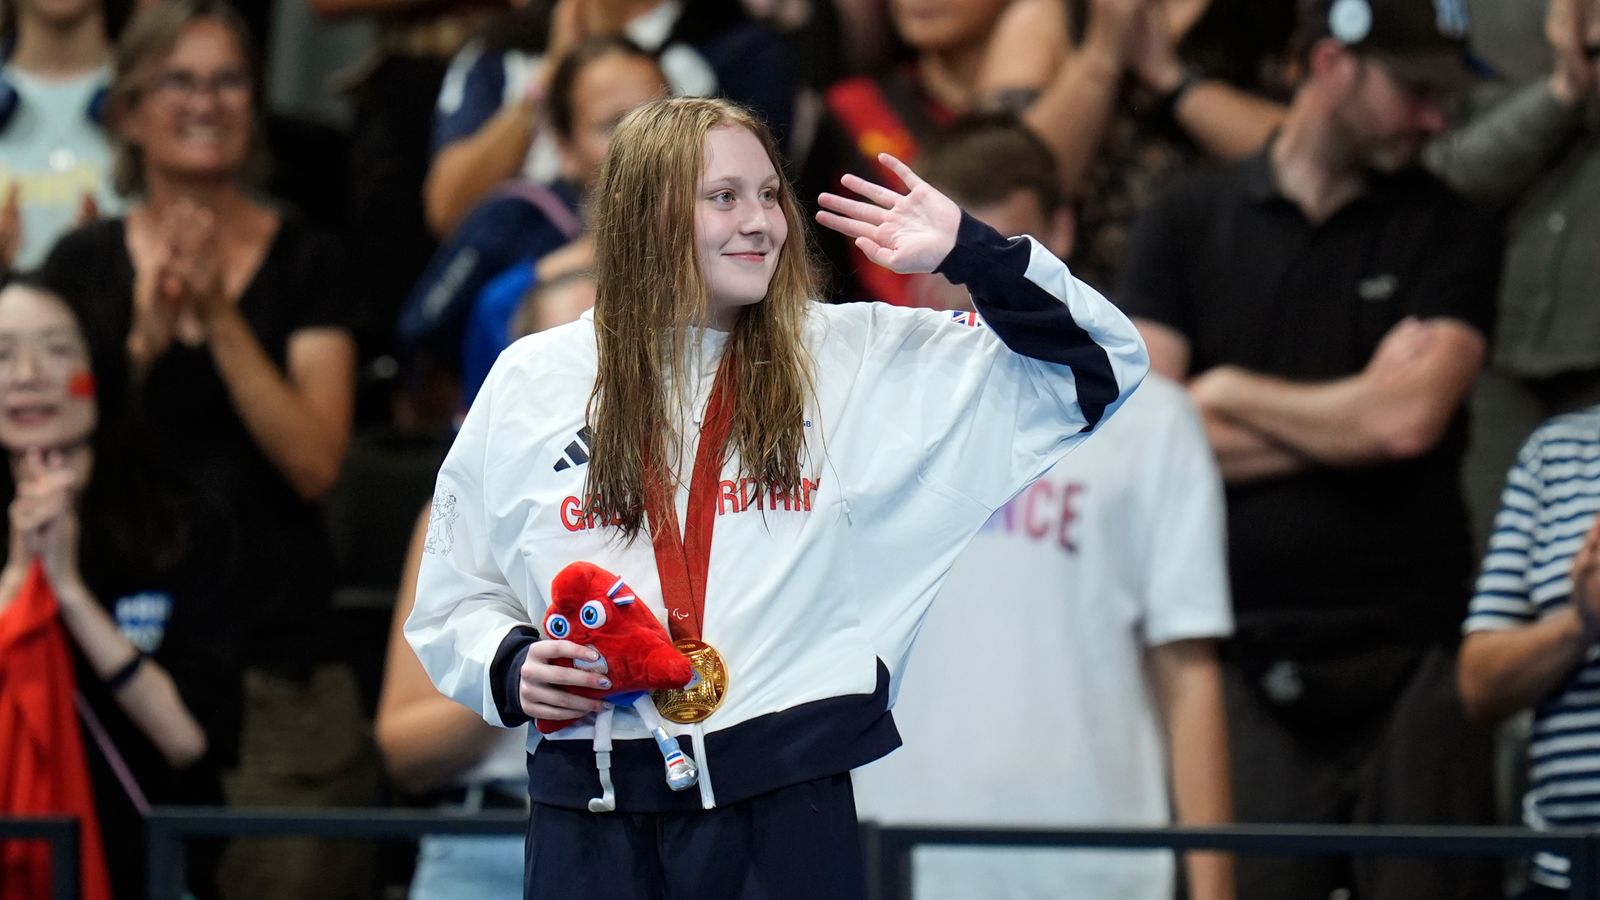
[(923, 423)]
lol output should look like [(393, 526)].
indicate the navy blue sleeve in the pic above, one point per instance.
[(505, 673), (497, 233), (753, 67), (1029, 319), (469, 97)]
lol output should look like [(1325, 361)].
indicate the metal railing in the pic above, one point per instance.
[(891, 875), (888, 849), (168, 828), (61, 833)]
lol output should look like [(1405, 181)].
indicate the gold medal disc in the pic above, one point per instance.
[(705, 691)]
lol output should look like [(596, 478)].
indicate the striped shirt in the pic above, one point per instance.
[(1551, 497)]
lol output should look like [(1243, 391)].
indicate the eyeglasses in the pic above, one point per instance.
[(231, 84), (53, 354)]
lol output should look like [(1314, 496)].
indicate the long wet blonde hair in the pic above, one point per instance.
[(650, 292)]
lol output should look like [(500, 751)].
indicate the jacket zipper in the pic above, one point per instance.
[(697, 739)]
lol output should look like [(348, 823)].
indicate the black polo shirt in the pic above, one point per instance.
[(1228, 261)]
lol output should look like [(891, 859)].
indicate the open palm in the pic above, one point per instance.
[(910, 232)]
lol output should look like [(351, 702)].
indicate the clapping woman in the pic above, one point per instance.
[(136, 566), (233, 313)]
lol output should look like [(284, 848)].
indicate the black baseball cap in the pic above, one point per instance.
[(1421, 41)]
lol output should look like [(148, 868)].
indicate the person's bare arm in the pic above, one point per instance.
[(1396, 408), (1503, 671), (1026, 48), (1188, 684), (1072, 112), (301, 418), (424, 736), (464, 171), (44, 527), (1168, 348), (1226, 122), (1508, 144), (1242, 454)]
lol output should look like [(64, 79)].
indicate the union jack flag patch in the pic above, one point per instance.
[(969, 319)]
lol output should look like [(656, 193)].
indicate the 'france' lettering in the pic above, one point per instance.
[(1046, 511)]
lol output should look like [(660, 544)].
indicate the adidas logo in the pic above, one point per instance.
[(577, 452)]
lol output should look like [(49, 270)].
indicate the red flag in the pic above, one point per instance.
[(45, 770), (872, 122)]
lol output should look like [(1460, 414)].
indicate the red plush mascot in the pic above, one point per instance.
[(593, 607)]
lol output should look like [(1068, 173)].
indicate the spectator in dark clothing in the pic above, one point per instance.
[(1328, 304), (235, 320), (1128, 93), (392, 99), (485, 128), (507, 237), (137, 567), (1531, 145)]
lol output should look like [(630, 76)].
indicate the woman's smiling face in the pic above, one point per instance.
[(195, 116), (46, 386), (739, 225)]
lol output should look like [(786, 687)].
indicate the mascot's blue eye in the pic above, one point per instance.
[(556, 626), (593, 614)]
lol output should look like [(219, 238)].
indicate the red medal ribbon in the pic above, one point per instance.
[(682, 562)]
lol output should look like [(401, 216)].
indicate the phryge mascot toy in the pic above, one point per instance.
[(593, 607)]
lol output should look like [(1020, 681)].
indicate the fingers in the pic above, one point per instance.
[(848, 227), (192, 234), (557, 708), (1584, 561), (877, 193), (32, 466), (544, 688), (548, 650), (88, 209), (855, 209), (35, 509), (540, 666), (911, 180), (1591, 541), (11, 223)]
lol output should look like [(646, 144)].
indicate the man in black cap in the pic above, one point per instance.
[(1328, 305)]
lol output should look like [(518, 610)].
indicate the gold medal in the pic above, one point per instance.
[(705, 691)]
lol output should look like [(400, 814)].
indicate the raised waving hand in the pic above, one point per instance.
[(910, 232)]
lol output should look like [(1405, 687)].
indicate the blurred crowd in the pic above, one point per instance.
[(1337, 561)]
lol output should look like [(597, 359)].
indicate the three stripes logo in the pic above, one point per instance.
[(577, 452)]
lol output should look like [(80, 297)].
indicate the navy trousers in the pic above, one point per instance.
[(796, 843)]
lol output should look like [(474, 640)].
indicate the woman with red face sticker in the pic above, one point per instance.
[(104, 548), (236, 316)]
